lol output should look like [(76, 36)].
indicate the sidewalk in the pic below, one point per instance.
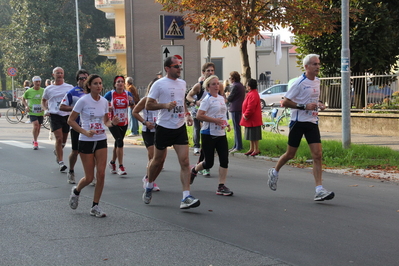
[(391, 142)]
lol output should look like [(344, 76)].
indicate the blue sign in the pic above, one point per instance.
[(172, 27), (345, 64)]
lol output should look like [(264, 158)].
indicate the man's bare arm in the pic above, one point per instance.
[(194, 91), (152, 104)]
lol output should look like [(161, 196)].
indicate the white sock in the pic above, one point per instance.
[(275, 172), (150, 185), (61, 162), (318, 188), (186, 193)]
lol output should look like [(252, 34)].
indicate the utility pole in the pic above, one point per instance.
[(78, 35), (345, 77)]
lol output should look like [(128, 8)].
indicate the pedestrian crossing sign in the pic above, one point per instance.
[(172, 27)]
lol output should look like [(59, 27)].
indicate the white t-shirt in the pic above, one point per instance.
[(91, 116), (304, 91), (150, 116), (54, 95), (166, 90), (214, 107)]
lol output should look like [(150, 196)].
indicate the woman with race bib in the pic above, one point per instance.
[(93, 111), (120, 100), (212, 112)]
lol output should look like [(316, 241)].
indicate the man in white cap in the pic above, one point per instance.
[(51, 101), (32, 101)]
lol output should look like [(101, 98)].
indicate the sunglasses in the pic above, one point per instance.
[(175, 66), (82, 78)]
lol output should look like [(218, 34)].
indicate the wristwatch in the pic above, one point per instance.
[(143, 122), (300, 106)]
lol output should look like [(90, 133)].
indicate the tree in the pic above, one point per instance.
[(42, 36), (108, 70), (374, 39), (374, 42), (237, 22), (5, 17)]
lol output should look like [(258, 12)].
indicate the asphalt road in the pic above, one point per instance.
[(256, 226)]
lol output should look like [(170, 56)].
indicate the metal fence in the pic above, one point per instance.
[(365, 91)]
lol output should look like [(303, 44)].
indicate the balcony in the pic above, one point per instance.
[(264, 46), (110, 16), (108, 6), (112, 46)]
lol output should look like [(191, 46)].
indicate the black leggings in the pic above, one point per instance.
[(118, 132), (209, 145)]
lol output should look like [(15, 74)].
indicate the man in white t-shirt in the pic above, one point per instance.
[(303, 98), (51, 101), (168, 96)]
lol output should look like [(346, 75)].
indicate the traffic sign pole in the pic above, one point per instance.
[(173, 50), (12, 71)]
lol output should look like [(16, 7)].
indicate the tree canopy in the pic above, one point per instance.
[(42, 36), (237, 22), (374, 39)]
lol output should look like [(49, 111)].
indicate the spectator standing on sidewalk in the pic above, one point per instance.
[(133, 123), (51, 101), (303, 98), (168, 96), (252, 118), (212, 112), (93, 110), (120, 99), (32, 99), (67, 104), (236, 98)]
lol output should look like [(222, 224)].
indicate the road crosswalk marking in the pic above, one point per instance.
[(18, 144), (25, 145)]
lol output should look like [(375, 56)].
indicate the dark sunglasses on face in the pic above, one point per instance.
[(82, 78), (176, 66)]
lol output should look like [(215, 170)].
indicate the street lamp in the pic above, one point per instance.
[(78, 35)]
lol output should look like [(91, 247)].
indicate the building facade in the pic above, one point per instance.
[(137, 47)]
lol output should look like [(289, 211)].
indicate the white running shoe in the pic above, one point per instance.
[(71, 178), (73, 199), (323, 194), (96, 211), (272, 181)]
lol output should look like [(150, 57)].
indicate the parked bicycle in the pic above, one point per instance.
[(46, 122), (277, 121), (15, 113)]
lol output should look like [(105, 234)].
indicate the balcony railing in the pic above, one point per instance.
[(109, 5), (265, 45), (110, 15), (112, 45)]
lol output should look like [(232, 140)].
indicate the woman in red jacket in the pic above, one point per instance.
[(252, 118)]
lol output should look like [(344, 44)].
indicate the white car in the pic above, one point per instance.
[(273, 95)]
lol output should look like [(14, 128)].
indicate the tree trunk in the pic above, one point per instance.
[(3, 78), (246, 69)]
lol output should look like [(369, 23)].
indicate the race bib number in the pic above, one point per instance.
[(36, 108), (97, 126), (122, 114)]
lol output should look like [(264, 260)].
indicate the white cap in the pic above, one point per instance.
[(36, 78)]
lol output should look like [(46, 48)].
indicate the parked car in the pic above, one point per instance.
[(5, 98), (273, 95), (375, 94)]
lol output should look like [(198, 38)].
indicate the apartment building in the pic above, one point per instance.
[(137, 45)]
